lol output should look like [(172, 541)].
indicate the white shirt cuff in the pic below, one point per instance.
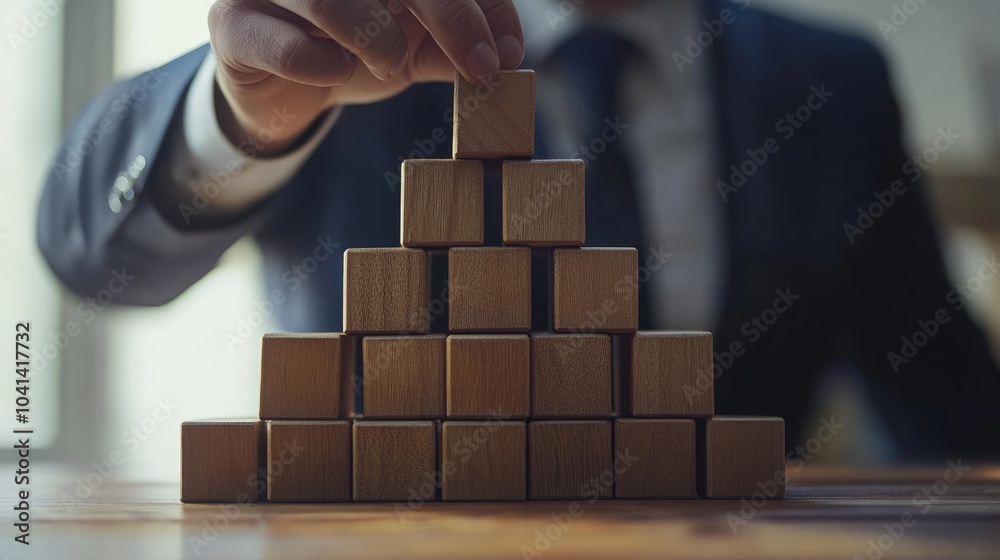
[(227, 175)]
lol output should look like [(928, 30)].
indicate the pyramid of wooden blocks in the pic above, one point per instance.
[(489, 410)]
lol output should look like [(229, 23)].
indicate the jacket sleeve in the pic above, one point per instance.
[(919, 349), (98, 226)]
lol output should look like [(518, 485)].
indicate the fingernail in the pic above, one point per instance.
[(511, 51), (482, 62), (380, 73), (398, 67)]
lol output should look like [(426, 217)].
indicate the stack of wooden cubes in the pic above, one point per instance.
[(497, 408)]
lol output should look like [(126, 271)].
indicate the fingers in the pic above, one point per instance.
[(250, 40), (501, 15), (462, 31), (364, 27)]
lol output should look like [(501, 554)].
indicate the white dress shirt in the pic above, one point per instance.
[(668, 138)]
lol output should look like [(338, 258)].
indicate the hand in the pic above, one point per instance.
[(307, 56)]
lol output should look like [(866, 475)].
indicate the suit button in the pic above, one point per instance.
[(124, 186), (115, 203)]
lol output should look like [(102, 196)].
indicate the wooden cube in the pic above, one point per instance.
[(488, 377), (309, 461), (442, 203), (306, 376), (655, 458), (483, 461), (394, 461), (403, 376), (385, 291), (570, 376), (744, 457), (544, 203), (570, 459), (596, 290), (222, 461), (672, 374), (495, 120), (489, 289)]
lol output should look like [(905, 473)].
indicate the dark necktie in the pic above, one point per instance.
[(593, 62)]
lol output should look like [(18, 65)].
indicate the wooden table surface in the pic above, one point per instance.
[(829, 513)]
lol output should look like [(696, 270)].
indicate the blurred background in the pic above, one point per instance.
[(122, 380)]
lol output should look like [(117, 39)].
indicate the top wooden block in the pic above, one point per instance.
[(544, 203), (495, 120), (442, 203), (385, 291), (305, 376)]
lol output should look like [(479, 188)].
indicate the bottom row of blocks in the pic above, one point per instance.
[(336, 461)]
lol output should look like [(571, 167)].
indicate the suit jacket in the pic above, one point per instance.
[(852, 286)]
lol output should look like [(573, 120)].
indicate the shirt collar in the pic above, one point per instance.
[(657, 27)]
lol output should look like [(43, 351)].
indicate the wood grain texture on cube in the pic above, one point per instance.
[(672, 374), (308, 461), (442, 203), (489, 289), (393, 459), (744, 456), (483, 461), (657, 457), (222, 461), (488, 376), (596, 290), (495, 120), (570, 376), (403, 376), (544, 203), (305, 375), (570, 459), (385, 291)]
